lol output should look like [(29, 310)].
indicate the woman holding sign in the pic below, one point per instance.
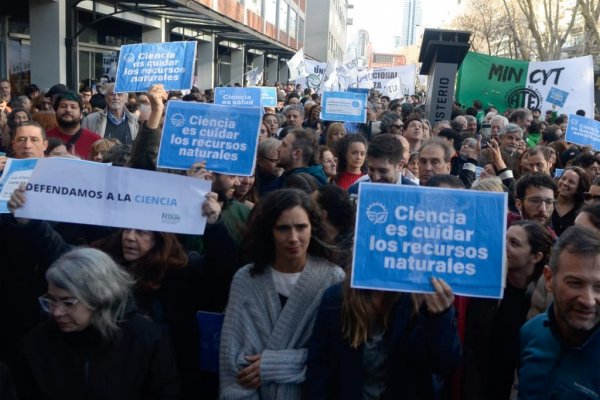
[(491, 341), (370, 344), (273, 301)]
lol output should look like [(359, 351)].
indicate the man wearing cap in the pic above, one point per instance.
[(68, 107)]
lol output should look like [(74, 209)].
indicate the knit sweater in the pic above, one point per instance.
[(256, 323)]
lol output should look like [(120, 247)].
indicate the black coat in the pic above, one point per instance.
[(422, 350), (79, 365)]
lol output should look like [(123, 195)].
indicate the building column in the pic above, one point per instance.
[(155, 35), (284, 73), (238, 66), (48, 50), (205, 63), (272, 68)]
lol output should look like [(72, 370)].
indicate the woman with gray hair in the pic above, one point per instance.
[(95, 344)]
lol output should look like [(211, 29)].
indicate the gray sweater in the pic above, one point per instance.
[(255, 323)]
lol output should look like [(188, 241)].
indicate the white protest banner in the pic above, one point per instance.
[(254, 76), (406, 234), (15, 172), (365, 79), (315, 72), (347, 74), (330, 80), (91, 193), (384, 78), (143, 65), (296, 65)]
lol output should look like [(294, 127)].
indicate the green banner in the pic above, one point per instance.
[(492, 80)]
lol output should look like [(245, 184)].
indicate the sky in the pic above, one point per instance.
[(383, 19)]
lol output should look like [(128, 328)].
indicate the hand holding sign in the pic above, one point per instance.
[(211, 208), (157, 95), (17, 200), (442, 299), (198, 170)]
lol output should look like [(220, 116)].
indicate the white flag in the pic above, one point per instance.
[(297, 66), (365, 79), (330, 78), (254, 76), (393, 88), (347, 74)]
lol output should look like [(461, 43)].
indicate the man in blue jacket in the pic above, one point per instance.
[(560, 349)]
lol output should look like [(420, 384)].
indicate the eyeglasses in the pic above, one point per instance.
[(49, 304), (332, 161), (587, 196), (273, 160), (537, 201), (398, 126)]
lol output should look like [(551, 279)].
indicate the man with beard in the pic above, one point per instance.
[(560, 349), (535, 196), (115, 122), (68, 107)]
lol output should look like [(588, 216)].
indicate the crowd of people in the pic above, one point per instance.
[(104, 313)]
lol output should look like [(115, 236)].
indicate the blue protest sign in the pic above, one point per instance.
[(358, 90), (225, 137), (269, 96), (15, 172), (558, 172), (557, 97), (407, 234), (238, 96), (209, 326), (583, 131), (344, 106), (145, 64)]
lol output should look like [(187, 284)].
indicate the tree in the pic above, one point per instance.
[(590, 11), (549, 24)]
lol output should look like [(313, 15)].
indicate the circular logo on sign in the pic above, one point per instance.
[(355, 104), (377, 213), (177, 120), (130, 58), (313, 81), (524, 97)]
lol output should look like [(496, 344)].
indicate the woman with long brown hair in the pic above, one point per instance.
[(370, 344)]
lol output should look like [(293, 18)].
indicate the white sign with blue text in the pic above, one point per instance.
[(344, 106), (226, 137), (86, 192), (583, 131), (15, 172), (143, 65), (238, 97), (407, 234)]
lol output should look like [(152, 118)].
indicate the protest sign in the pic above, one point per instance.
[(315, 71), (407, 234), (238, 97), (226, 137), (143, 65), (395, 82), (583, 131), (344, 106), (15, 172), (210, 325), (268, 96), (296, 65), (562, 85), (254, 76), (91, 193)]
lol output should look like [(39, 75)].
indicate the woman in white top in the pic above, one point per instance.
[(273, 301)]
